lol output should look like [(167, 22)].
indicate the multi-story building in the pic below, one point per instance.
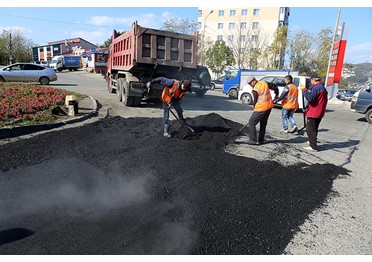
[(247, 31)]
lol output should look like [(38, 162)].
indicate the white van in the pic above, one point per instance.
[(245, 93)]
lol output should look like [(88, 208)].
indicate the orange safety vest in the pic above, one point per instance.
[(173, 91), (264, 101), (290, 100)]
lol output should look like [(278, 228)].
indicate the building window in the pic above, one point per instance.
[(282, 9), (230, 38), (255, 25), (199, 25), (219, 37), (200, 13), (232, 12), (220, 25), (221, 13), (242, 38), (231, 25), (254, 38), (243, 25), (256, 11), (244, 12)]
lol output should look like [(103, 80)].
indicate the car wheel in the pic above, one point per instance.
[(44, 81), (247, 99), (212, 86), (369, 116), (2, 79), (233, 94)]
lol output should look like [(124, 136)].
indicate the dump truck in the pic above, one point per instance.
[(142, 54), (62, 62)]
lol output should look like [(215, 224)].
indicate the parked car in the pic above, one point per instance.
[(245, 93), (217, 83), (340, 92), (361, 102), (27, 72), (348, 95)]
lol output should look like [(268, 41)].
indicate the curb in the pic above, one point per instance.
[(8, 132)]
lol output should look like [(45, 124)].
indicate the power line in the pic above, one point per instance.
[(55, 21)]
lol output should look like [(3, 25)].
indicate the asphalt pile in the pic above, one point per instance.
[(188, 196)]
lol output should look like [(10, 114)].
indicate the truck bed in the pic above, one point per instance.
[(141, 47)]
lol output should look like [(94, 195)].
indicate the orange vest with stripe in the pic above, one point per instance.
[(172, 91), (290, 101), (264, 101)]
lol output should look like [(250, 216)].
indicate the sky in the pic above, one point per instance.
[(47, 22)]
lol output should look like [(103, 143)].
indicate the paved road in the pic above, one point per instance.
[(342, 225)]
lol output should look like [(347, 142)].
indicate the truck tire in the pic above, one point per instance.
[(247, 99), (119, 88), (205, 78), (233, 93), (109, 86), (369, 116), (127, 100)]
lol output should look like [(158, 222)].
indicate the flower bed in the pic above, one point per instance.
[(24, 104)]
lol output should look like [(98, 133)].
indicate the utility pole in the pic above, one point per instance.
[(203, 39), (9, 46)]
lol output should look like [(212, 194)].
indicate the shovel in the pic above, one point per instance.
[(182, 123)]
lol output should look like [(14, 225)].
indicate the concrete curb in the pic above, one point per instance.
[(8, 132)]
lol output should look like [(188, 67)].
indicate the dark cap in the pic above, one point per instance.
[(187, 83), (316, 77)]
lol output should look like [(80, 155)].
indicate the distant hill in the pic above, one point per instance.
[(363, 74), (364, 67)]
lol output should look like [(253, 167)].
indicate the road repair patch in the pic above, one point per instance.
[(117, 186)]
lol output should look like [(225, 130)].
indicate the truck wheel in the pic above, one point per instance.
[(127, 100), (109, 86), (369, 116), (233, 94), (247, 99), (44, 81), (119, 88)]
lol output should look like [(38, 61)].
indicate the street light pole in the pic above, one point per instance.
[(202, 51)]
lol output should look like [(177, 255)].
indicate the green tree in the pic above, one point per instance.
[(324, 42), (177, 25), (108, 42), (276, 51), (218, 56), (21, 47), (301, 46)]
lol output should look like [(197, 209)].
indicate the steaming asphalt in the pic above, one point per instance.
[(116, 186)]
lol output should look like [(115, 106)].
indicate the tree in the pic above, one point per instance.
[(21, 47), (324, 42), (108, 42), (218, 56), (300, 50), (276, 51), (177, 25)]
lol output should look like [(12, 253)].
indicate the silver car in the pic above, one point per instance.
[(27, 72)]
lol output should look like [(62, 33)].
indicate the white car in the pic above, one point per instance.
[(245, 93)]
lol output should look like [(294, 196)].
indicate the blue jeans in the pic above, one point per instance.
[(287, 114), (176, 105)]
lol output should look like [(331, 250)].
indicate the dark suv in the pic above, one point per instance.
[(361, 102)]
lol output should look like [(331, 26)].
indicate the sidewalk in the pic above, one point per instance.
[(88, 107)]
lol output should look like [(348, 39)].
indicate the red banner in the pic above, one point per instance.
[(337, 61)]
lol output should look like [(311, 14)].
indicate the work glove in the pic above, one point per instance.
[(148, 84), (302, 87), (275, 101)]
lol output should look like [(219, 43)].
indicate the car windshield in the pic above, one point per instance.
[(53, 61)]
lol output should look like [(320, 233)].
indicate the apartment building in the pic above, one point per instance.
[(247, 31)]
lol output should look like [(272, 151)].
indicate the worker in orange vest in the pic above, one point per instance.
[(172, 94), (289, 98), (262, 103)]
